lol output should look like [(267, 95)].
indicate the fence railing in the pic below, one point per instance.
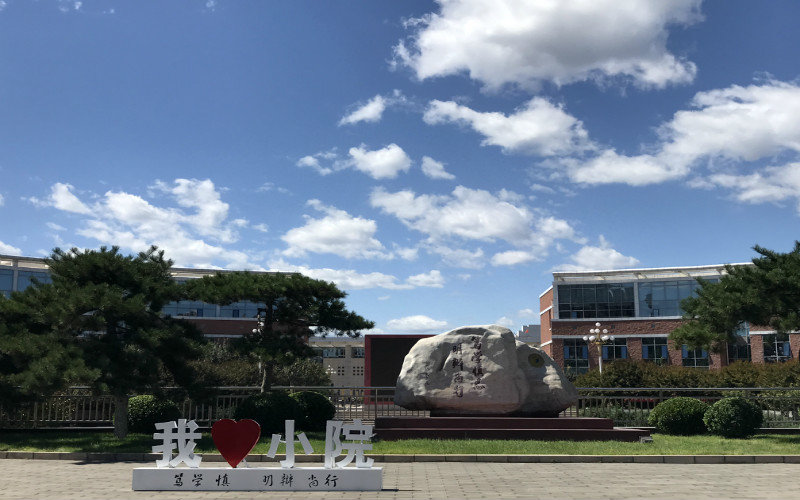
[(627, 407)]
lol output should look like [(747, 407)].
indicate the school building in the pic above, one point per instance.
[(639, 308)]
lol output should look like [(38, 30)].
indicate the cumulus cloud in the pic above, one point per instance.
[(372, 110), (416, 324), (506, 322), (336, 233), (539, 127), (527, 313), (512, 258), (472, 215), (727, 130), (2, 200), (384, 163), (772, 185), (131, 222), (6, 249), (62, 198), (600, 257), (432, 279), (435, 169), (526, 43), (350, 279)]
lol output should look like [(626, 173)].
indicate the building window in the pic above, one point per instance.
[(357, 352), (663, 298), (695, 358), (6, 281), (776, 348), (655, 350), (26, 278), (591, 301), (615, 349), (358, 371), (333, 352), (340, 371), (576, 356)]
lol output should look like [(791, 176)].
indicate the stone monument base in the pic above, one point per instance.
[(257, 479), (482, 427)]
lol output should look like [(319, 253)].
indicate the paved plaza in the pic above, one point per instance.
[(65, 479)]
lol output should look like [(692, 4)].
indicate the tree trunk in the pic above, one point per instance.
[(267, 372), (120, 416)]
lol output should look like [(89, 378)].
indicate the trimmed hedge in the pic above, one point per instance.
[(316, 410), (270, 410), (679, 416), (733, 418), (145, 411)]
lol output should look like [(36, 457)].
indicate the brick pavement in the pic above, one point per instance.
[(67, 479)]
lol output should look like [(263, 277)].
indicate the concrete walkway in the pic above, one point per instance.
[(69, 479)]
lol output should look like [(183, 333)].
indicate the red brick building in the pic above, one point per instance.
[(637, 309)]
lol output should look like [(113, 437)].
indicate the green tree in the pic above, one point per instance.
[(104, 310), (766, 293), (289, 305)]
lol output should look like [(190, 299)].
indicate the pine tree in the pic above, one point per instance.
[(289, 304), (766, 294)]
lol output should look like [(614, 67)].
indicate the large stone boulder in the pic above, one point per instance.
[(482, 370)]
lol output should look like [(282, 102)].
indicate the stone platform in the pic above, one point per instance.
[(550, 429)]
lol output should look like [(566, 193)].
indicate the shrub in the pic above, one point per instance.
[(270, 410), (316, 409), (681, 416), (145, 411), (733, 418)]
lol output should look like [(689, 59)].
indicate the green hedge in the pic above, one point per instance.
[(733, 418), (679, 416), (270, 410), (316, 409), (145, 411)]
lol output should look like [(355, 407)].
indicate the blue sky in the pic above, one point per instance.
[(437, 160)]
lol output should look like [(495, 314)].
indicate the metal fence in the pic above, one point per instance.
[(627, 407)]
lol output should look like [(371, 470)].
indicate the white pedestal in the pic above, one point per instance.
[(257, 479)]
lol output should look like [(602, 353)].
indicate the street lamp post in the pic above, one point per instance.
[(598, 337)]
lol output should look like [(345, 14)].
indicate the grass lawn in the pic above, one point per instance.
[(762, 444)]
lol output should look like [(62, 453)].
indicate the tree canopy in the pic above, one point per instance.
[(289, 304), (766, 293), (101, 315)]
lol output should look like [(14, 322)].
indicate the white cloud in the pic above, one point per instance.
[(772, 185), (432, 279), (728, 129), (371, 111), (512, 258), (527, 313), (506, 322), (55, 227), (416, 324), (347, 279), (599, 257), (264, 228), (472, 215), (336, 233), (6, 249), (62, 198), (538, 128), (525, 43), (2, 200), (383, 163), (435, 169), (128, 220)]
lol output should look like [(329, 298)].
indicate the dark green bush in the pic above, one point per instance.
[(270, 410), (681, 416), (145, 411), (733, 418), (316, 410)]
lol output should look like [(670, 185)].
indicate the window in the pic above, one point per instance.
[(695, 358), (576, 356), (340, 371), (26, 278), (358, 371), (333, 352), (663, 298), (655, 350), (6, 281), (357, 352), (615, 349), (606, 300), (776, 348)]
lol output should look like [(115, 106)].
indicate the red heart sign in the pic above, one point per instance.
[(235, 440)]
